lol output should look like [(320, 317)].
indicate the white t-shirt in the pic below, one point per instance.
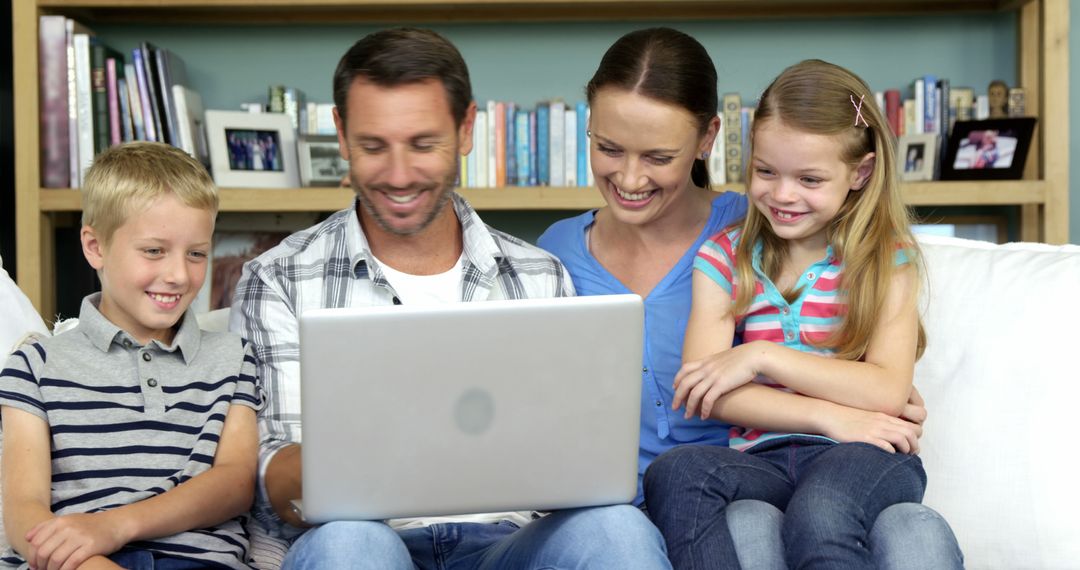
[(19, 316), (435, 289)]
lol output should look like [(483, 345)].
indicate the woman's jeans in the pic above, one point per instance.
[(831, 495)]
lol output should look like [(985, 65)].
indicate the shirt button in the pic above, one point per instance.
[(790, 335), (151, 383), (810, 276), (127, 343), (785, 311), (146, 356), (659, 403), (644, 369)]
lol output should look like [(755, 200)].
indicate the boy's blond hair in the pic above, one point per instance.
[(127, 177)]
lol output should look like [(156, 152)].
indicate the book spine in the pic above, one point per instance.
[(127, 133), (534, 164), (521, 146), (162, 59), (84, 98), (746, 121), (543, 153), (892, 110), (557, 148), (135, 103), (112, 95), (492, 179), (570, 156), (919, 93), (582, 145), (500, 144), (511, 150), (480, 135), (145, 104), (153, 97), (70, 27), (717, 169), (53, 81), (99, 97), (733, 160), (930, 112)]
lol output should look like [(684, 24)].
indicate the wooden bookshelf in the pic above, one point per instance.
[(1042, 48)]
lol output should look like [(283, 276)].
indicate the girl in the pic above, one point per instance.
[(820, 281)]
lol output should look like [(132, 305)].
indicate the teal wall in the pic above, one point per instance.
[(229, 65)]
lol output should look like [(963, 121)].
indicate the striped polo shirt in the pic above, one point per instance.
[(802, 324), (131, 421)]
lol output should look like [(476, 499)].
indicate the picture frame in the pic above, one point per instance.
[(989, 149), (917, 156), (252, 150), (320, 161)]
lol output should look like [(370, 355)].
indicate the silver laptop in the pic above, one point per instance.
[(470, 407)]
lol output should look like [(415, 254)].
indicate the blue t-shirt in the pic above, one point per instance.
[(667, 309)]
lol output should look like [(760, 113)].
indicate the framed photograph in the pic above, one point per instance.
[(320, 162), (252, 150), (992, 149), (918, 156)]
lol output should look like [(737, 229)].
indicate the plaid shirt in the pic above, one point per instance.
[(331, 265)]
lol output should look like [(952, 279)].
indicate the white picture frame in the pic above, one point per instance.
[(917, 157), (320, 161), (252, 150)]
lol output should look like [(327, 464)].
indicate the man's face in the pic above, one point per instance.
[(403, 151)]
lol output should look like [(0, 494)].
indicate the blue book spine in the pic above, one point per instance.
[(533, 167), (511, 151), (930, 104), (543, 136), (582, 144), (521, 146)]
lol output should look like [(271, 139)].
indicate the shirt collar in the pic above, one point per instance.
[(102, 333)]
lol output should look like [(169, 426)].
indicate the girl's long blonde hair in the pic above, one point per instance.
[(817, 97)]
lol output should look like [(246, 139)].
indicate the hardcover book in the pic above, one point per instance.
[(53, 82)]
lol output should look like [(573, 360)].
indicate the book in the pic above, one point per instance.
[(71, 28), (127, 132), (962, 103), (543, 146), (931, 121), (84, 131), (510, 108), (480, 147), (582, 144), (717, 170), (893, 106), (570, 156), (732, 105), (113, 75), (492, 179), (170, 72), (1016, 105), (134, 103), (190, 123), (294, 100), (150, 131), (521, 147), (534, 177), (557, 144), (500, 144), (99, 95), (153, 96), (53, 102), (919, 95)]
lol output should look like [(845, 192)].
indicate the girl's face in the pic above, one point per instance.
[(642, 151), (799, 182)]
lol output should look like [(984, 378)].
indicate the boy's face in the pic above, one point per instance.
[(153, 267)]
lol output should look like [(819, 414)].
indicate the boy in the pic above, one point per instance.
[(124, 434)]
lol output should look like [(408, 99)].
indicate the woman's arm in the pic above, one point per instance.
[(879, 383), (211, 497)]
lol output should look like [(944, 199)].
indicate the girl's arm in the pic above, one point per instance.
[(222, 492), (879, 383)]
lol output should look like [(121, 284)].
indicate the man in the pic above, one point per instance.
[(404, 115)]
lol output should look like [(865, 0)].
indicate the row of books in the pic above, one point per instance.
[(516, 146), (92, 97)]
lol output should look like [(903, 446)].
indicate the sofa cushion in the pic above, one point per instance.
[(1001, 389)]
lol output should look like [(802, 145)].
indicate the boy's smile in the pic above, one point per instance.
[(153, 267)]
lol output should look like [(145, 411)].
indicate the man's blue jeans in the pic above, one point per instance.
[(616, 537), (831, 495)]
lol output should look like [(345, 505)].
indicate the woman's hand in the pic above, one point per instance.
[(700, 383)]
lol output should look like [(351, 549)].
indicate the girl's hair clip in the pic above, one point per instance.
[(858, 110)]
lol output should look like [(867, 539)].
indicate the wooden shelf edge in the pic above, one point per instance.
[(1000, 192)]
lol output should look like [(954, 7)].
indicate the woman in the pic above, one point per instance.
[(653, 121)]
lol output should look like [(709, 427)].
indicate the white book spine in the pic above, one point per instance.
[(83, 104), (588, 152), (480, 148), (73, 105), (134, 104), (491, 176), (570, 156), (717, 172), (920, 106), (557, 143)]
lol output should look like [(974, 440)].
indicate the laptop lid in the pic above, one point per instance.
[(470, 407)]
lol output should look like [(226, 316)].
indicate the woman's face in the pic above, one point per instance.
[(642, 151)]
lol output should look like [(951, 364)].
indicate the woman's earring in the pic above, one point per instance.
[(588, 133), (705, 156)]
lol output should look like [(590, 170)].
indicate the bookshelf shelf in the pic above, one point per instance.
[(1041, 47)]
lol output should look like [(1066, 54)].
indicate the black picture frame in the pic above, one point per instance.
[(989, 149)]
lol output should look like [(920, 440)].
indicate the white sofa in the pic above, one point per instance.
[(997, 381)]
